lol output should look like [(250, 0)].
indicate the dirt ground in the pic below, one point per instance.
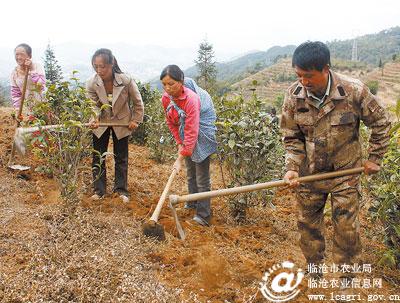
[(101, 255)]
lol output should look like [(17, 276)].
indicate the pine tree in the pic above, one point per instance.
[(381, 65), (51, 68), (206, 67)]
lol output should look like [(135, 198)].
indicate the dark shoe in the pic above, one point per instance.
[(199, 220)]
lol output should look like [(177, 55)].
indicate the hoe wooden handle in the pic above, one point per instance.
[(164, 194), (254, 187), (32, 129), (21, 102)]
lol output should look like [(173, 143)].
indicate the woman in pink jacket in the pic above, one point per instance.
[(36, 79), (191, 118)]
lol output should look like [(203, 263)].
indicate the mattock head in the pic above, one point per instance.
[(154, 230), (19, 141)]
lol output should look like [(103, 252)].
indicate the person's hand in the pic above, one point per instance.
[(94, 124), (180, 148), (178, 164), (289, 178), (27, 64), (17, 117), (132, 125), (371, 167)]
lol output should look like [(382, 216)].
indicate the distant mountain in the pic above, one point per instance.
[(5, 98), (272, 81), (237, 69), (241, 66), (371, 47), (143, 62), (146, 62)]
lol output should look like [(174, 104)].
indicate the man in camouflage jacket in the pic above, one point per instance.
[(320, 124)]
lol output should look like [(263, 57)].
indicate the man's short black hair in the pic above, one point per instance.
[(311, 55)]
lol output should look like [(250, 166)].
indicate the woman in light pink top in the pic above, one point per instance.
[(36, 79)]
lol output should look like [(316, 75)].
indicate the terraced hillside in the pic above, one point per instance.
[(270, 82), (388, 81), (274, 80)]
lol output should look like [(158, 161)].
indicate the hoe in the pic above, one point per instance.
[(175, 199)]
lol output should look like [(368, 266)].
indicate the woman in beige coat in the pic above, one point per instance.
[(118, 101)]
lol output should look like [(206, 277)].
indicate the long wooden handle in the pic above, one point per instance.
[(21, 105), (24, 86), (254, 187), (164, 194), (32, 129), (110, 124)]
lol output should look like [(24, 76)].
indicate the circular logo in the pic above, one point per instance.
[(281, 281)]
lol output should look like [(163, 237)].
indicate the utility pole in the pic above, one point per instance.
[(354, 52)]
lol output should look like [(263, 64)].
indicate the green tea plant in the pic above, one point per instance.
[(64, 149), (373, 86), (250, 148), (149, 96), (386, 191), (155, 130)]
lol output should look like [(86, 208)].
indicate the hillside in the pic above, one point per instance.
[(388, 81), (272, 81), (371, 47), (239, 68)]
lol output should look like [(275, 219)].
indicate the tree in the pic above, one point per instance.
[(373, 86), (52, 69), (381, 65), (206, 66)]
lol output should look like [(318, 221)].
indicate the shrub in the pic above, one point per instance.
[(373, 86), (278, 103), (283, 77), (156, 132), (149, 96), (65, 148), (386, 191), (249, 147)]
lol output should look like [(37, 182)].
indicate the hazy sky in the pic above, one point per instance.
[(230, 25)]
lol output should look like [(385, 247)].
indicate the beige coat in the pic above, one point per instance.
[(127, 104)]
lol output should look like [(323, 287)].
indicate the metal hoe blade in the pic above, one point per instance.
[(19, 167), (177, 223)]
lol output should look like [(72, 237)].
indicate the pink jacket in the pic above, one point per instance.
[(36, 76), (189, 102)]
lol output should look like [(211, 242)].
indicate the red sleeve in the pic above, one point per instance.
[(172, 127), (191, 131)]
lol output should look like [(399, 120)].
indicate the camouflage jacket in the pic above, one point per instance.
[(327, 138)]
